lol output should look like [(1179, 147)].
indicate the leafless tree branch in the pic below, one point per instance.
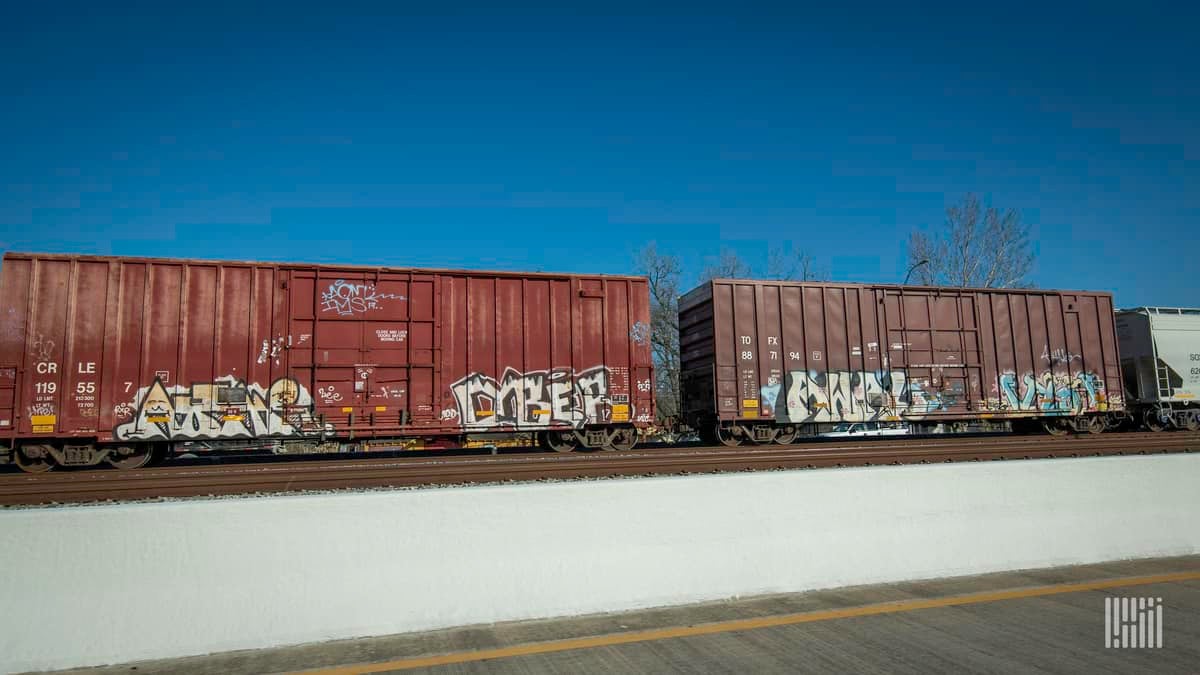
[(663, 273), (794, 265), (729, 266), (976, 247)]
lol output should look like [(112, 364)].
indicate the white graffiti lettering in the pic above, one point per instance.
[(1058, 356), (851, 396), (43, 348), (347, 298), (536, 399), (224, 408), (41, 409), (640, 332), (270, 350)]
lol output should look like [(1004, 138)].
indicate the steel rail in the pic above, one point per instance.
[(383, 472)]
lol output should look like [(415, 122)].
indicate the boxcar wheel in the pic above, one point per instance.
[(1193, 421), (1056, 427), (559, 441), (787, 435), (34, 458), (623, 439), (725, 435), (128, 457), (1153, 423), (1095, 425)]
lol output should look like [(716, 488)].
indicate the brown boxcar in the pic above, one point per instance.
[(767, 360), (102, 357)]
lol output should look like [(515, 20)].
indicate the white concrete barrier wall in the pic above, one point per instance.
[(108, 584)]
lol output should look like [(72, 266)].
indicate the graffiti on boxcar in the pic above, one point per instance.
[(540, 398), (347, 298), (1059, 356), (1050, 391), (640, 332), (329, 395), (391, 391), (227, 407), (270, 350), (852, 395), (43, 348), (41, 409)]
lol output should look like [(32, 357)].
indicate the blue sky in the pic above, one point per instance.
[(543, 138)]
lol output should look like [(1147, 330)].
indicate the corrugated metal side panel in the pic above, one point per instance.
[(537, 353), (51, 303), (196, 353), (828, 353), (84, 360), (143, 350), (16, 279)]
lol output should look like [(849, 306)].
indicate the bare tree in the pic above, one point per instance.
[(793, 265), (729, 266), (783, 264), (978, 247), (663, 273)]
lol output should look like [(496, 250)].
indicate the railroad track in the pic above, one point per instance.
[(279, 477)]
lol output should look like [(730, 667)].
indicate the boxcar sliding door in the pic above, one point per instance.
[(933, 338), (369, 336)]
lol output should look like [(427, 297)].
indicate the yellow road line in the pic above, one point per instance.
[(752, 624)]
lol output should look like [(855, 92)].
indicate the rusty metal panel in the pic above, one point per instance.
[(534, 353), (811, 352), (125, 349)]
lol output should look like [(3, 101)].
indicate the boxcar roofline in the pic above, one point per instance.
[(287, 265), (1182, 311), (910, 287)]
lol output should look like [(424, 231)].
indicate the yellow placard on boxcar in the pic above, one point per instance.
[(43, 428), (750, 403), (43, 420)]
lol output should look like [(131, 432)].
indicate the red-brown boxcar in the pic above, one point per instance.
[(104, 358), (767, 360)]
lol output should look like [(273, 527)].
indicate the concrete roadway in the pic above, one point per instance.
[(1048, 621)]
